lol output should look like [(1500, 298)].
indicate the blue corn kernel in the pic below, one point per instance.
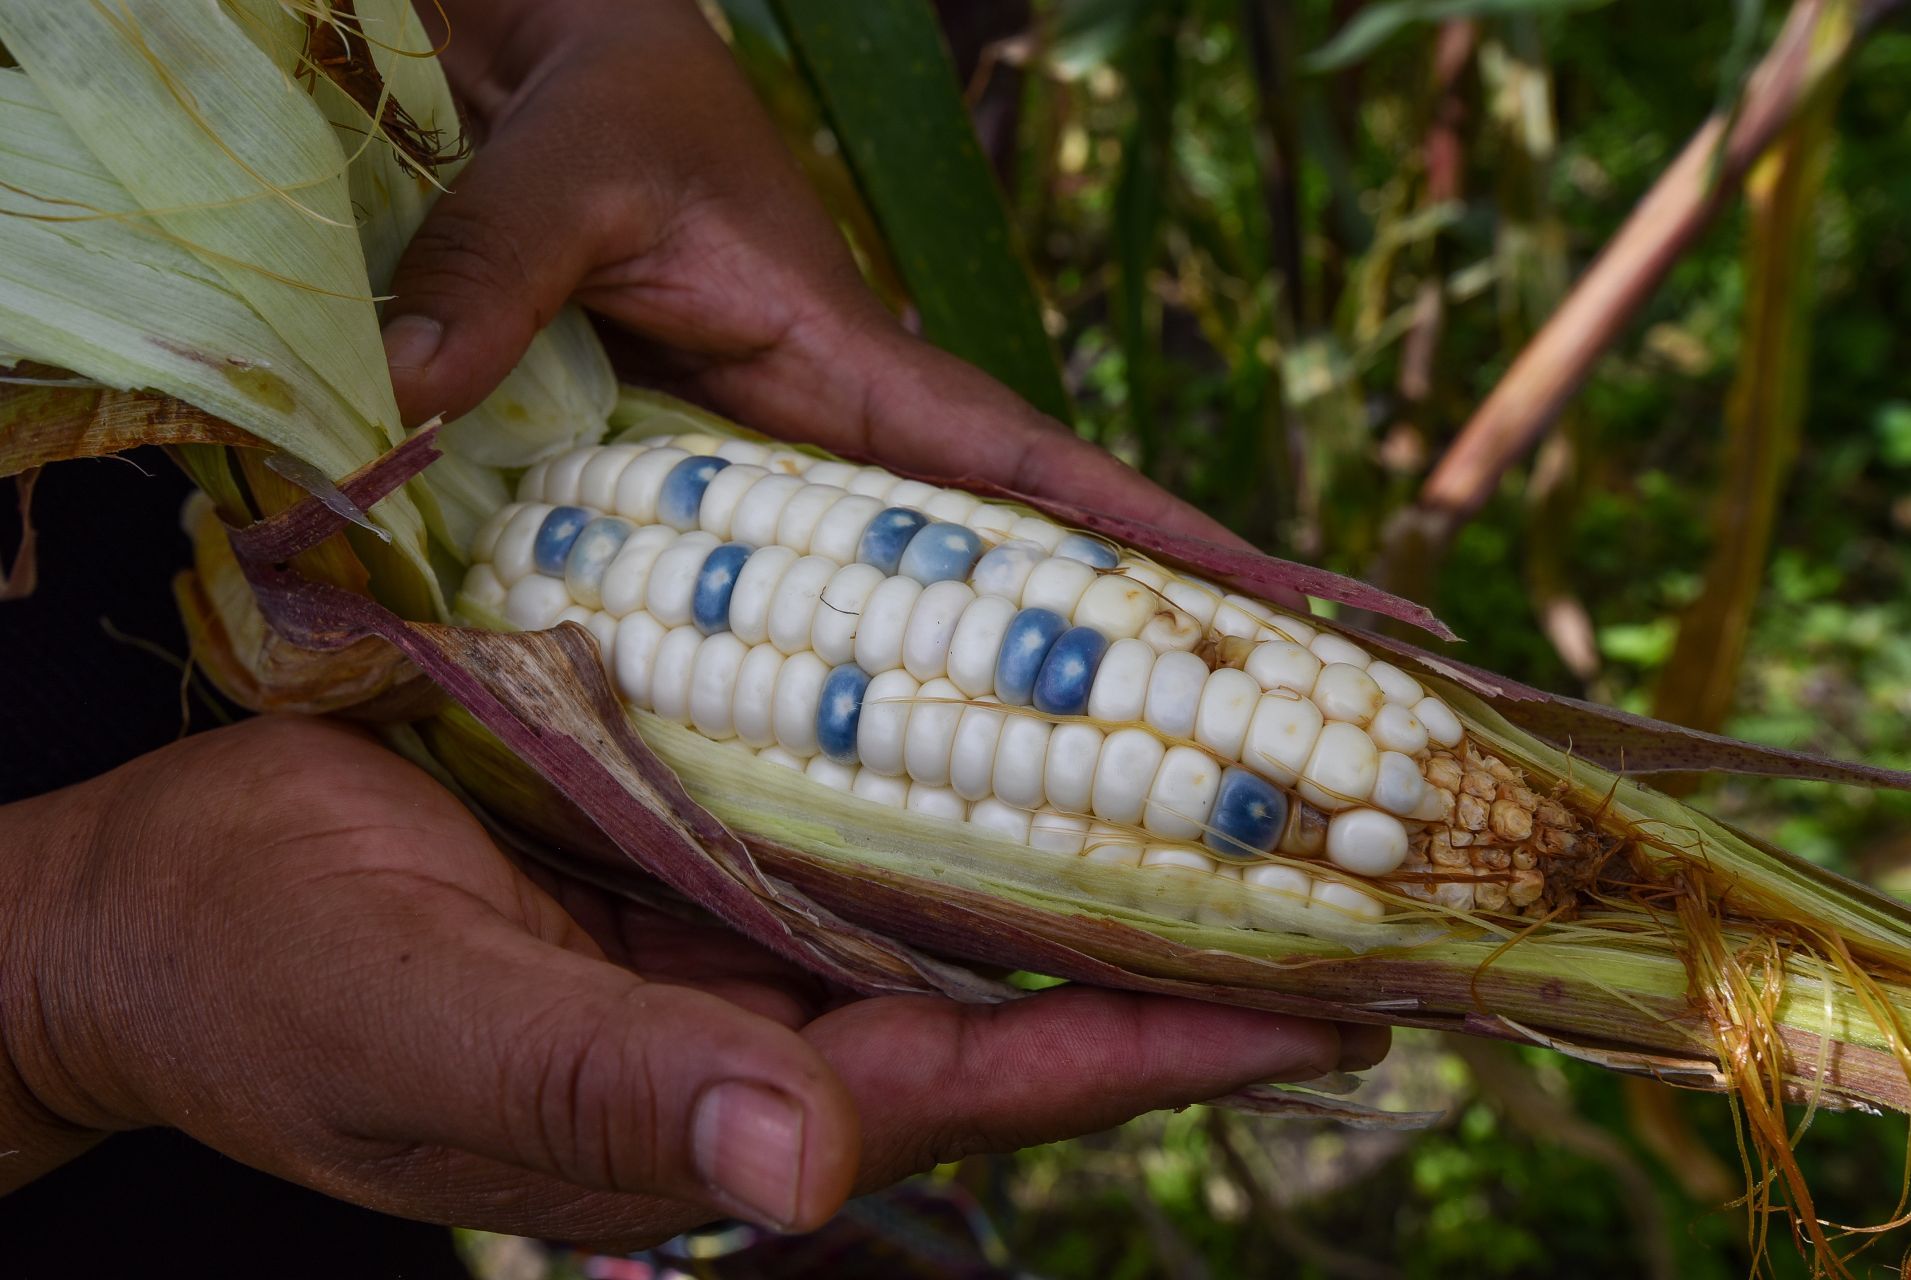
[(555, 536), (886, 536), (716, 579), (682, 493), (1090, 551), (1067, 674), (940, 551), (1249, 815), (595, 546), (839, 710), (1025, 645)]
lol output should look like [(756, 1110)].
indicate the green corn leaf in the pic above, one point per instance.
[(889, 88)]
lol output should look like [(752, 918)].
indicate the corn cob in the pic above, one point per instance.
[(921, 648)]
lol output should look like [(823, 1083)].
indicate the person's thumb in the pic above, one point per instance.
[(493, 262), (526, 1053)]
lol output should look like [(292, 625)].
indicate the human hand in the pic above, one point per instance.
[(625, 162), (302, 951)]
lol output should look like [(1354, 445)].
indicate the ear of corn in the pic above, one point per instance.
[(920, 648)]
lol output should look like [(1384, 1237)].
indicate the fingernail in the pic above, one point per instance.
[(748, 1142), (411, 341)]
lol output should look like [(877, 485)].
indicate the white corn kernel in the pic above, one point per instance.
[(1228, 701), (1196, 598), (1057, 583), (1053, 832), (1005, 819), (1347, 693), (799, 690), (1181, 797), (1279, 664), (531, 483), (837, 776), (1443, 727), (1399, 688), (977, 642), (627, 577), (482, 591), (871, 481), (1068, 778), (1175, 857), (1237, 615), (952, 505), (1395, 728), (1276, 877), (1120, 690), (910, 493), (940, 802), (1282, 737), (723, 495), (793, 607), (839, 533), (1291, 629), (1116, 606), (1124, 774), (673, 578), (1337, 895), (534, 601), (1341, 770), (802, 513), (638, 636), (642, 483), (972, 754), (881, 788), (1329, 647), (1004, 570), (755, 588), (754, 523), (753, 709), (829, 471), (1021, 754), (1112, 846), (992, 520), (1366, 842), (777, 755), (484, 547), (670, 673), (713, 685), (743, 451), (516, 552), (931, 628), (885, 622), (839, 612), (1174, 693), (1043, 533), (562, 481), (931, 732), (1398, 784), (881, 729)]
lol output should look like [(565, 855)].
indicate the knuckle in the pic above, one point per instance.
[(586, 1110), (456, 251)]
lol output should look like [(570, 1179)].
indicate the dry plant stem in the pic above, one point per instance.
[(1679, 206)]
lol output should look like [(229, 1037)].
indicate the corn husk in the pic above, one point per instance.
[(213, 276)]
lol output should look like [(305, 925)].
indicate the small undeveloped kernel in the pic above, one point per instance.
[(1509, 821), (1445, 773), (1526, 888), (1478, 782), (1489, 896), (1470, 812), (1443, 852)]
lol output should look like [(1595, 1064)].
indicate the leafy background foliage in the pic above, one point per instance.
[(1281, 249)]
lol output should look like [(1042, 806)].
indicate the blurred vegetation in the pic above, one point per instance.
[(1283, 249)]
